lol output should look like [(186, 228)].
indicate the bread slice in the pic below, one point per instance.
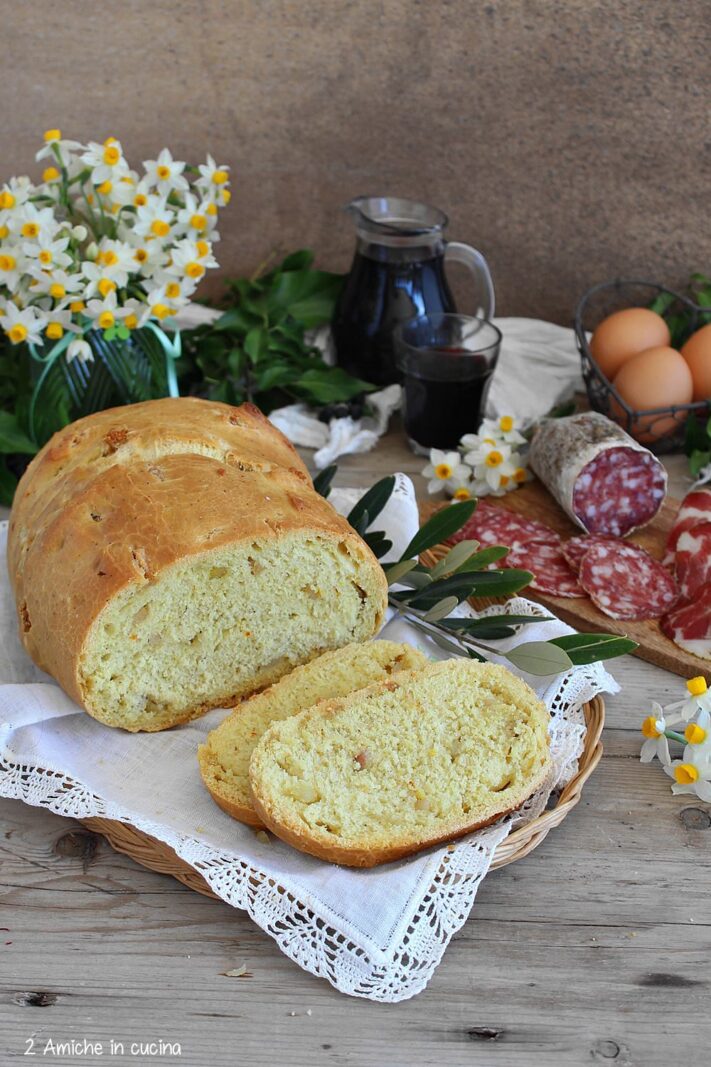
[(421, 758), (224, 758)]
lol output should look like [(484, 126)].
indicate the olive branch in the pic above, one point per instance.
[(426, 596)]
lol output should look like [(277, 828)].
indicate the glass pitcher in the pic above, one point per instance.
[(397, 273)]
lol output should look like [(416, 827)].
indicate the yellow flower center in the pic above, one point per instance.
[(163, 172), (649, 727), (203, 248), (50, 174), (131, 321), (198, 222), (140, 255), (694, 733), (160, 228), (494, 459), (108, 258), (226, 196), (17, 333), (172, 290), (443, 471), (506, 423), (194, 270), (111, 154), (45, 257), (211, 209), (161, 311), (106, 286), (106, 320), (90, 198), (105, 187), (109, 140), (7, 200), (76, 306), (140, 199), (504, 480), (30, 229), (3, 232), (55, 331), (219, 177), (697, 686), (7, 262), (686, 773), (519, 475), (462, 494), (57, 291), (52, 135)]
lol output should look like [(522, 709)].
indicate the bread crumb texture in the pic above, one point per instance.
[(173, 556), (426, 756), (224, 758)]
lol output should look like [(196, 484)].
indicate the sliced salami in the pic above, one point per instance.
[(689, 626), (551, 573), (603, 479), (693, 560), (624, 582), (499, 526), (575, 548), (695, 509)]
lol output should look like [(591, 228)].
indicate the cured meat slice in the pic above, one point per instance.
[(689, 626), (499, 526), (575, 548), (551, 573), (604, 480), (693, 559), (624, 582), (695, 508)]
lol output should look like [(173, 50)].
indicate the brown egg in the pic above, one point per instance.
[(657, 378), (625, 334), (697, 353)]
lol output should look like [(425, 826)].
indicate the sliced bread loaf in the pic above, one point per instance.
[(224, 758), (421, 758)]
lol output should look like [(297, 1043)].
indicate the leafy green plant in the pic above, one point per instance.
[(258, 349), (426, 596)]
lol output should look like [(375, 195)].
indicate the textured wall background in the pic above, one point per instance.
[(568, 140)]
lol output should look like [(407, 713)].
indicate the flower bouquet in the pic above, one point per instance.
[(488, 463), (95, 260)]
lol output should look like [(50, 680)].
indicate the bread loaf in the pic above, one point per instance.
[(173, 556), (224, 758), (426, 756)]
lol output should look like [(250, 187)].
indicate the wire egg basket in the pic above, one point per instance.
[(661, 429)]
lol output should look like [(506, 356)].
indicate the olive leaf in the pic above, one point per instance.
[(441, 526), (590, 648), (322, 481), (396, 571), (454, 559), (540, 658), (439, 611), (480, 560), (373, 501)]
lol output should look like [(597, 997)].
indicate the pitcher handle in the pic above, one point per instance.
[(456, 252)]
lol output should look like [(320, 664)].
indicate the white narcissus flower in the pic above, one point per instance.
[(12, 266), (13, 195), (175, 287), (99, 279), (191, 259), (106, 160), (155, 219), (116, 258), (22, 325), (212, 176), (59, 322), (31, 222), (58, 283), (692, 773), (103, 313), (48, 253), (162, 306), (444, 467), (165, 173), (502, 429), (195, 219), (655, 743), (53, 140), (496, 469), (698, 699), (81, 350)]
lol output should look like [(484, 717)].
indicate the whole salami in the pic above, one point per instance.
[(603, 479)]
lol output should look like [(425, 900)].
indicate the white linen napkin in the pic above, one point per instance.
[(378, 933)]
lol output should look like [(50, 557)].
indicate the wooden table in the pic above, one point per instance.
[(594, 949)]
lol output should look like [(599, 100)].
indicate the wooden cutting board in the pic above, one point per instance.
[(535, 502)]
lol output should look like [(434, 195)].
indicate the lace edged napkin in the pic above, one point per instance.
[(378, 933)]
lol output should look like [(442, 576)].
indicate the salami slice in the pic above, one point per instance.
[(624, 582), (499, 526), (603, 479), (689, 626), (693, 560), (695, 509), (575, 548), (551, 573)]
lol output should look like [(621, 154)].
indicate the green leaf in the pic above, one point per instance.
[(473, 583), (362, 523), (12, 436), (322, 481), (300, 260), (8, 484), (256, 343), (308, 296), (373, 501), (378, 543), (235, 320), (480, 560), (592, 648), (491, 626), (396, 571), (698, 460), (540, 658), (441, 526), (456, 558), (331, 385), (442, 609)]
